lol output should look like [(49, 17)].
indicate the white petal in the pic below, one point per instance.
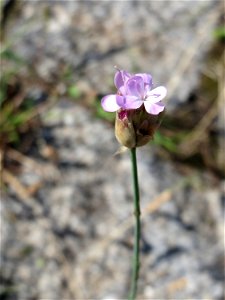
[(109, 103), (154, 108), (156, 94)]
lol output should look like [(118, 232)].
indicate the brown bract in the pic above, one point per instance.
[(135, 127)]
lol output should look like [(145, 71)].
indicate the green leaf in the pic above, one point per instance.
[(165, 142), (10, 55), (74, 92), (219, 32)]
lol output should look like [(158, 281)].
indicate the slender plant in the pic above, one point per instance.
[(139, 110), (137, 233)]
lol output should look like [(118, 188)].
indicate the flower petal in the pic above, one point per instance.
[(147, 78), (129, 102), (133, 105), (121, 78), (154, 108), (156, 94), (135, 86), (109, 103)]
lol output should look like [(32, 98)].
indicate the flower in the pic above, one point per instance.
[(138, 107), (133, 91)]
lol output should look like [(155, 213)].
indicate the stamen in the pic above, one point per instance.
[(117, 68)]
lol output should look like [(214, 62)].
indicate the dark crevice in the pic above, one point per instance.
[(27, 212), (170, 254), (71, 165), (96, 56), (65, 232), (177, 219)]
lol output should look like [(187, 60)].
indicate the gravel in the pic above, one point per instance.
[(78, 243)]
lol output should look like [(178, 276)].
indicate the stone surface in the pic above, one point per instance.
[(78, 243), (73, 238), (166, 38)]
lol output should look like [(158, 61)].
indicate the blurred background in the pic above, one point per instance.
[(66, 199)]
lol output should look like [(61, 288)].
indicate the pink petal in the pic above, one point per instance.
[(147, 78), (109, 103), (135, 86), (129, 102), (156, 94), (154, 108), (121, 78)]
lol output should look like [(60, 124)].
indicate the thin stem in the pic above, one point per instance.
[(137, 231)]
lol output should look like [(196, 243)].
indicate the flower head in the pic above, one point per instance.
[(133, 91), (139, 108)]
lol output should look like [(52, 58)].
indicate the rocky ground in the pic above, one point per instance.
[(167, 38), (73, 238)]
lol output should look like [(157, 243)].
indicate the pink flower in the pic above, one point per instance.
[(133, 91)]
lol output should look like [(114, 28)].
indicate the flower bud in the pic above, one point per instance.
[(136, 127), (124, 130)]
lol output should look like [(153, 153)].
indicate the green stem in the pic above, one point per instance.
[(137, 232)]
